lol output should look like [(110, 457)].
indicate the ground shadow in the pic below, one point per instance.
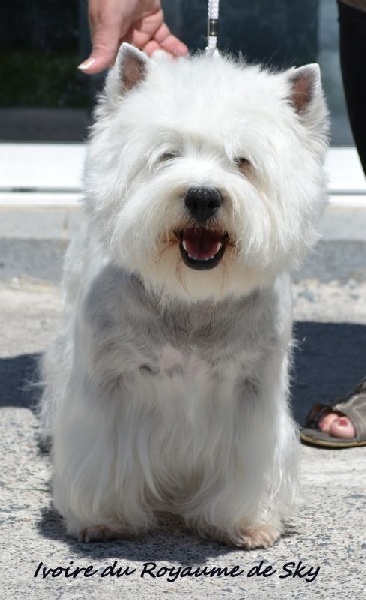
[(18, 381)]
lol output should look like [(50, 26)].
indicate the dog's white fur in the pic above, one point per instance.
[(167, 387)]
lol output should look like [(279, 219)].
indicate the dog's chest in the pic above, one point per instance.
[(203, 350), (203, 367), (185, 363), (198, 348), (171, 358)]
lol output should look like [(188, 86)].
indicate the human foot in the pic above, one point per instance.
[(337, 425), (340, 426)]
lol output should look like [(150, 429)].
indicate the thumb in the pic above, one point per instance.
[(106, 34), (101, 58), (104, 51)]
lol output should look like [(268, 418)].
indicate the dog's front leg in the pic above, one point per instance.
[(251, 486), (98, 488)]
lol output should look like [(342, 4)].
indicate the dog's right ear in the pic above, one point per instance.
[(131, 66), (129, 70)]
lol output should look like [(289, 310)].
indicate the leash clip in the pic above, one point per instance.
[(212, 27)]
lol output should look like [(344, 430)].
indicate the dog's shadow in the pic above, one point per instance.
[(329, 359), (19, 381), (169, 542)]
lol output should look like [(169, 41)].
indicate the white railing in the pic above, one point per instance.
[(50, 175)]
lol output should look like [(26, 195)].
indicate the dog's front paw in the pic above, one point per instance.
[(260, 535), (245, 535), (100, 533)]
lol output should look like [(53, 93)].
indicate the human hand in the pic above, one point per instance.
[(139, 22)]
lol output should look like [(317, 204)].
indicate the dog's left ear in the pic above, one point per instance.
[(305, 89)]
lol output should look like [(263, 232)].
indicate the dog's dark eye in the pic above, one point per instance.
[(242, 163), (167, 156)]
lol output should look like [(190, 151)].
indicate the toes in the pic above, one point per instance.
[(258, 536), (326, 422), (342, 428), (98, 533), (93, 534), (337, 425)]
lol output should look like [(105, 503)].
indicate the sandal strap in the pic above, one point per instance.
[(358, 390), (355, 410)]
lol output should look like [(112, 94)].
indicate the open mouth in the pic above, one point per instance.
[(201, 248)]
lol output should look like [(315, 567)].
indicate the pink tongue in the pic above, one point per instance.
[(200, 243)]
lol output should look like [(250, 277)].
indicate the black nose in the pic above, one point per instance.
[(202, 202)]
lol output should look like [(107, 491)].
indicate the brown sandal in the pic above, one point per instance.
[(353, 407)]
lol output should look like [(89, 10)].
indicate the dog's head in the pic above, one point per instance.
[(204, 175)]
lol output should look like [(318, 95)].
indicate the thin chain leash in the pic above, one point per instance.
[(213, 20)]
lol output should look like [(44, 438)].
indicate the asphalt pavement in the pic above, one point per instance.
[(322, 554)]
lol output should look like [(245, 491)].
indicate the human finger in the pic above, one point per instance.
[(108, 24)]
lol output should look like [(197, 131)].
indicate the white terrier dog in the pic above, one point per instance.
[(167, 388)]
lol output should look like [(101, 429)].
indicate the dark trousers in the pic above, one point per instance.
[(352, 47)]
